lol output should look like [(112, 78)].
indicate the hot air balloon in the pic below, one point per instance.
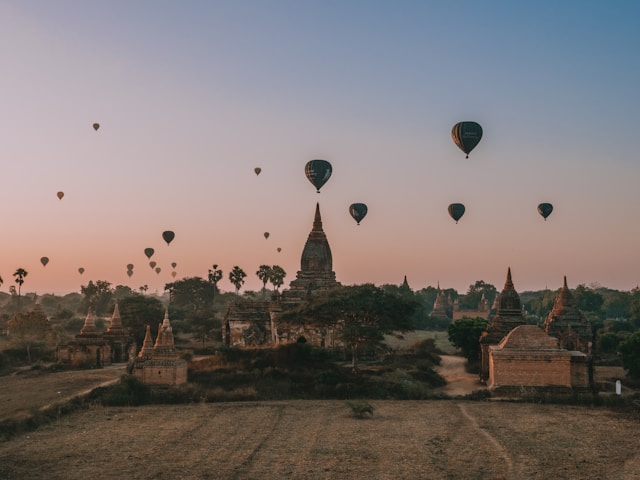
[(174, 265), (173, 274), (456, 210), (129, 266), (44, 261), (279, 249), (60, 195), (358, 211), (318, 172), (545, 210), (257, 170), (168, 236), (149, 252), (158, 270), (81, 270), (129, 273), (96, 126), (152, 264), (266, 234), (466, 135)]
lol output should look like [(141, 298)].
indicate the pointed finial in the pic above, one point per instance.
[(509, 283), (317, 220), (565, 282)]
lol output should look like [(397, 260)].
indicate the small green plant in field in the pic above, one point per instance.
[(360, 408)]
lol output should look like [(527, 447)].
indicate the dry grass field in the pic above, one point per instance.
[(320, 440)]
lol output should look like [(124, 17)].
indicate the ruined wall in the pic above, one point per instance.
[(533, 369), (156, 372)]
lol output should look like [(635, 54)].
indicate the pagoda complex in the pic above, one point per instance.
[(88, 348), (256, 323), (507, 317)]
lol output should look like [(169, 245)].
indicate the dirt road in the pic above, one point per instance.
[(459, 382)]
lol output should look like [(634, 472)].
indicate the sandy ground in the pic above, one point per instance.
[(459, 382)]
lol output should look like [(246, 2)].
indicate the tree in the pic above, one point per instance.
[(192, 293), (630, 353), (28, 330), (471, 299), (98, 296), (276, 276), (138, 311), (465, 334), (264, 274), (361, 314), (1, 281), (587, 299), (20, 274), (215, 275), (236, 277)]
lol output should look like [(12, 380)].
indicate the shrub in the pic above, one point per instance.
[(360, 408)]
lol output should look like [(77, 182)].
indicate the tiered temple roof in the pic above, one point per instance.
[(567, 323)]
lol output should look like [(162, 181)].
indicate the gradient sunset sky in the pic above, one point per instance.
[(191, 96)]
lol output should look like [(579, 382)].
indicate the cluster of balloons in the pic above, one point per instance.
[(129, 269)]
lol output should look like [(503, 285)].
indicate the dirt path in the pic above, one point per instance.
[(459, 381)]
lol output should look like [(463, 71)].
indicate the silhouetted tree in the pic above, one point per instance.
[(276, 276), (630, 353), (465, 334), (28, 330), (98, 296), (20, 274), (264, 274), (236, 277)]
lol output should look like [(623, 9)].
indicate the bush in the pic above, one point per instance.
[(360, 408)]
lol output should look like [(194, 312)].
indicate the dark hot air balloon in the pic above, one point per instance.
[(545, 210), (44, 261), (152, 264), (129, 266), (168, 236), (174, 265), (173, 274), (257, 170), (456, 210), (279, 249), (358, 211), (158, 270), (318, 172), (466, 135), (81, 270), (60, 195), (96, 126), (129, 273), (266, 234), (149, 252)]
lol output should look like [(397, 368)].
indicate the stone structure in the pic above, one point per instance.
[(254, 323), (88, 348), (442, 307), (568, 324), (122, 342), (159, 363), (529, 359), (482, 311), (508, 316)]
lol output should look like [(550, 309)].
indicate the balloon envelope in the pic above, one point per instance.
[(96, 126), (149, 252), (158, 269), (456, 210), (279, 249), (152, 264), (173, 274), (129, 273), (174, 265), (60, 195), (318, 172), (129, 266), (44, 261), (257, 170), (545, 210), (466, 135), (266, 234), (168, 236), (81, 270), (358, 211)]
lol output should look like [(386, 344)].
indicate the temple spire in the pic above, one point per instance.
[(508, 285), (317, 220), (89, 326)]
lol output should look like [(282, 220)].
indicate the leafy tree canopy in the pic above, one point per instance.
[(465, 334)]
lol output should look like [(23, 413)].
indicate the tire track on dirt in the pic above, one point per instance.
[(502, 451)]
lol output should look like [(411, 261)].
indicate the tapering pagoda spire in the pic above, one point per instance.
[(89, 327), (147, 345)]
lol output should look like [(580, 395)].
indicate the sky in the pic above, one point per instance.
[(191, 96)]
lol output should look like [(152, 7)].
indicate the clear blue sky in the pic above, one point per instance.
[(192, 95)]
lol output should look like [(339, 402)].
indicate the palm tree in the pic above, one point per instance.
[(277, 276), (20, 273), (264, 274), (236, 277), (215, 276)]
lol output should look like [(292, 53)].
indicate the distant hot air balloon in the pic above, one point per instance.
[(466, 135), (60, 195), (81, 270), (174, 265), (173, 274), (545, 210), (257, 170), (96, 126), (149, 252), (152, 264), (318, 172), (129, 266), (266, 234), (279, 249), (129, 273), (456, 210), (358, 211), (168, 236), (158, 270), (44, 261)]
